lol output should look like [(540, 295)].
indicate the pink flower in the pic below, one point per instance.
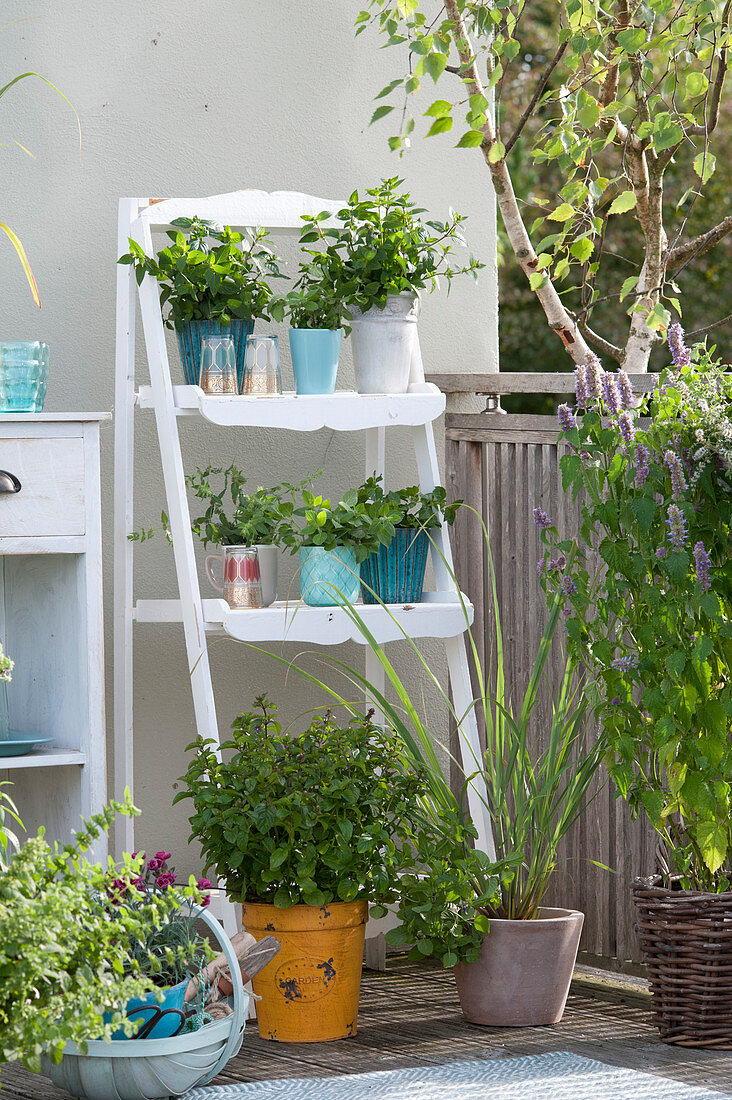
[(163, 856), (165, 880), (204, 884)]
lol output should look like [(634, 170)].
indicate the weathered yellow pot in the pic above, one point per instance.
[(310, 990)]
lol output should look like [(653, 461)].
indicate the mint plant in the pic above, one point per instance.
[(356, 523), (328, 815), (650, 615), (211, 273), (417, 510)]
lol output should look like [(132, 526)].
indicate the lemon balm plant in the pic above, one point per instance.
[(650, 615)]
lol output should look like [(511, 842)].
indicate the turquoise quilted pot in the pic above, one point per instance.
[(396, 572), (189, 345), (327, 577)]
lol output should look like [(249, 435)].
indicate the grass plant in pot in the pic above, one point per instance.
[(214, 282), (394, 573), (332, 542), (513, 955), (650, 617), (315, 312), (384, 254), (306, 831)]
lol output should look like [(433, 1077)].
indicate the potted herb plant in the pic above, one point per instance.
[(332, 542), (650, 617), (315, 311), (214, 282), (306, 831), (394, 573), (385, 254)]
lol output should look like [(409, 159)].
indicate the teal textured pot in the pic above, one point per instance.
[(396, 572), (315, 353), (327, 577), (189, 345)]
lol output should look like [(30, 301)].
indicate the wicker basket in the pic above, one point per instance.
[(142, 1069), (686, 939)]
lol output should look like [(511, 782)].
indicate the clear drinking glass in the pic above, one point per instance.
[(262, 376), (23, 375), (218, 365)]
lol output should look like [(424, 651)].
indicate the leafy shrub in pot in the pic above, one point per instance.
[(214, 281), (305, 831), (381, 254)]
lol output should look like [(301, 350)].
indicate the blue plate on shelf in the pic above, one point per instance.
[(18, 743)]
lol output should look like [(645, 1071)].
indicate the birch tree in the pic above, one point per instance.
[(631, 87)]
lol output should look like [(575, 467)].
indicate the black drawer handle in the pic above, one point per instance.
[(9, 483)]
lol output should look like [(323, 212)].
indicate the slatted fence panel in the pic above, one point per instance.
[(504, 466)]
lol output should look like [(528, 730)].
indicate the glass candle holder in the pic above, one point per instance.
[(23, 375), (218, 365), (262, 376)]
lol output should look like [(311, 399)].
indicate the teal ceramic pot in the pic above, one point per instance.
[(189, 345), (315, 353), (327, 577), (167, 1025), (395, 572)]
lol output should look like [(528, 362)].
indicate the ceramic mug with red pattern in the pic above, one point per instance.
[(242, 583)]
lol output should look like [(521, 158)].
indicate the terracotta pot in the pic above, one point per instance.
[(522, 976), (310, 992)]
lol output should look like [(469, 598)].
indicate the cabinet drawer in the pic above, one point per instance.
[(51, 474)]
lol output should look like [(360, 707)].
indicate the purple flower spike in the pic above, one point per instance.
[(595, 374), (680, 354), (580, 387), (642, 458), (625, 389), (624, 664), (568, 586), (661, 553), (566, 418), (541, 519), (627, 427), (673, 464), (611, 395), (676, 524), (540, 567), (703, 563)]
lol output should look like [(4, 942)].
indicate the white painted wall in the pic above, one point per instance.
[(190, 98)]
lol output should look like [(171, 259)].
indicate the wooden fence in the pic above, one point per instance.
[(504, 466)]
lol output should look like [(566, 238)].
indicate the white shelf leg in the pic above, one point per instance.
[(375, 464), (124, 469)]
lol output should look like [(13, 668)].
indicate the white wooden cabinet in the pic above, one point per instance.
[(51, 615)]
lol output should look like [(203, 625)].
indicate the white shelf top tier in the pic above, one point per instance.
[(344, 411), (439, 615), (277, 210)]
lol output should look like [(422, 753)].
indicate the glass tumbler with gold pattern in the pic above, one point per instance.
[(242, 582), (262, 376), (218, 365)]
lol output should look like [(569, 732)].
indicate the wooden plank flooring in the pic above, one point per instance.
[(410, 1016)]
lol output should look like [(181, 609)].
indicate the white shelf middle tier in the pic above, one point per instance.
[(439, 615), (343, 411)]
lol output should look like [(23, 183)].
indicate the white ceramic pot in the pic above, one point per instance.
[(268, 556), (382, 341)]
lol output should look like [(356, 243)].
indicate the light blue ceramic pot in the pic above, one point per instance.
[(165, 1027), (315, 353), (395, 572), (189, 345), (327, 577)]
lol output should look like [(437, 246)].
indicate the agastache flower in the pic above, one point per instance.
[(558, 563), (580, 387), (566, 418), (642, 458), (568, 586), (676, 524), (540, 567), (673, 464), (624, 664), (627, 427), (703, 563), (661, 553), (611, 395), (680, 354), (594, 375), (541, 519), (624, 388)]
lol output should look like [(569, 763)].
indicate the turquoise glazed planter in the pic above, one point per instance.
[(315, 353), (189, 345), (167, 1025), (327, 577), (396, 572)]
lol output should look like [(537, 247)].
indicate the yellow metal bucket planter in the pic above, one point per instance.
[(310, 991)]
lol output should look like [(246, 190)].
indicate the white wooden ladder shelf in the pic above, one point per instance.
[(440, 614)]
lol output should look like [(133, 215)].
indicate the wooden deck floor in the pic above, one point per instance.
[(410, 1016)]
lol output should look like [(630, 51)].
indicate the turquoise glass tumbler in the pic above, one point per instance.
[(329, 577), (315, 353), (23, 375)]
